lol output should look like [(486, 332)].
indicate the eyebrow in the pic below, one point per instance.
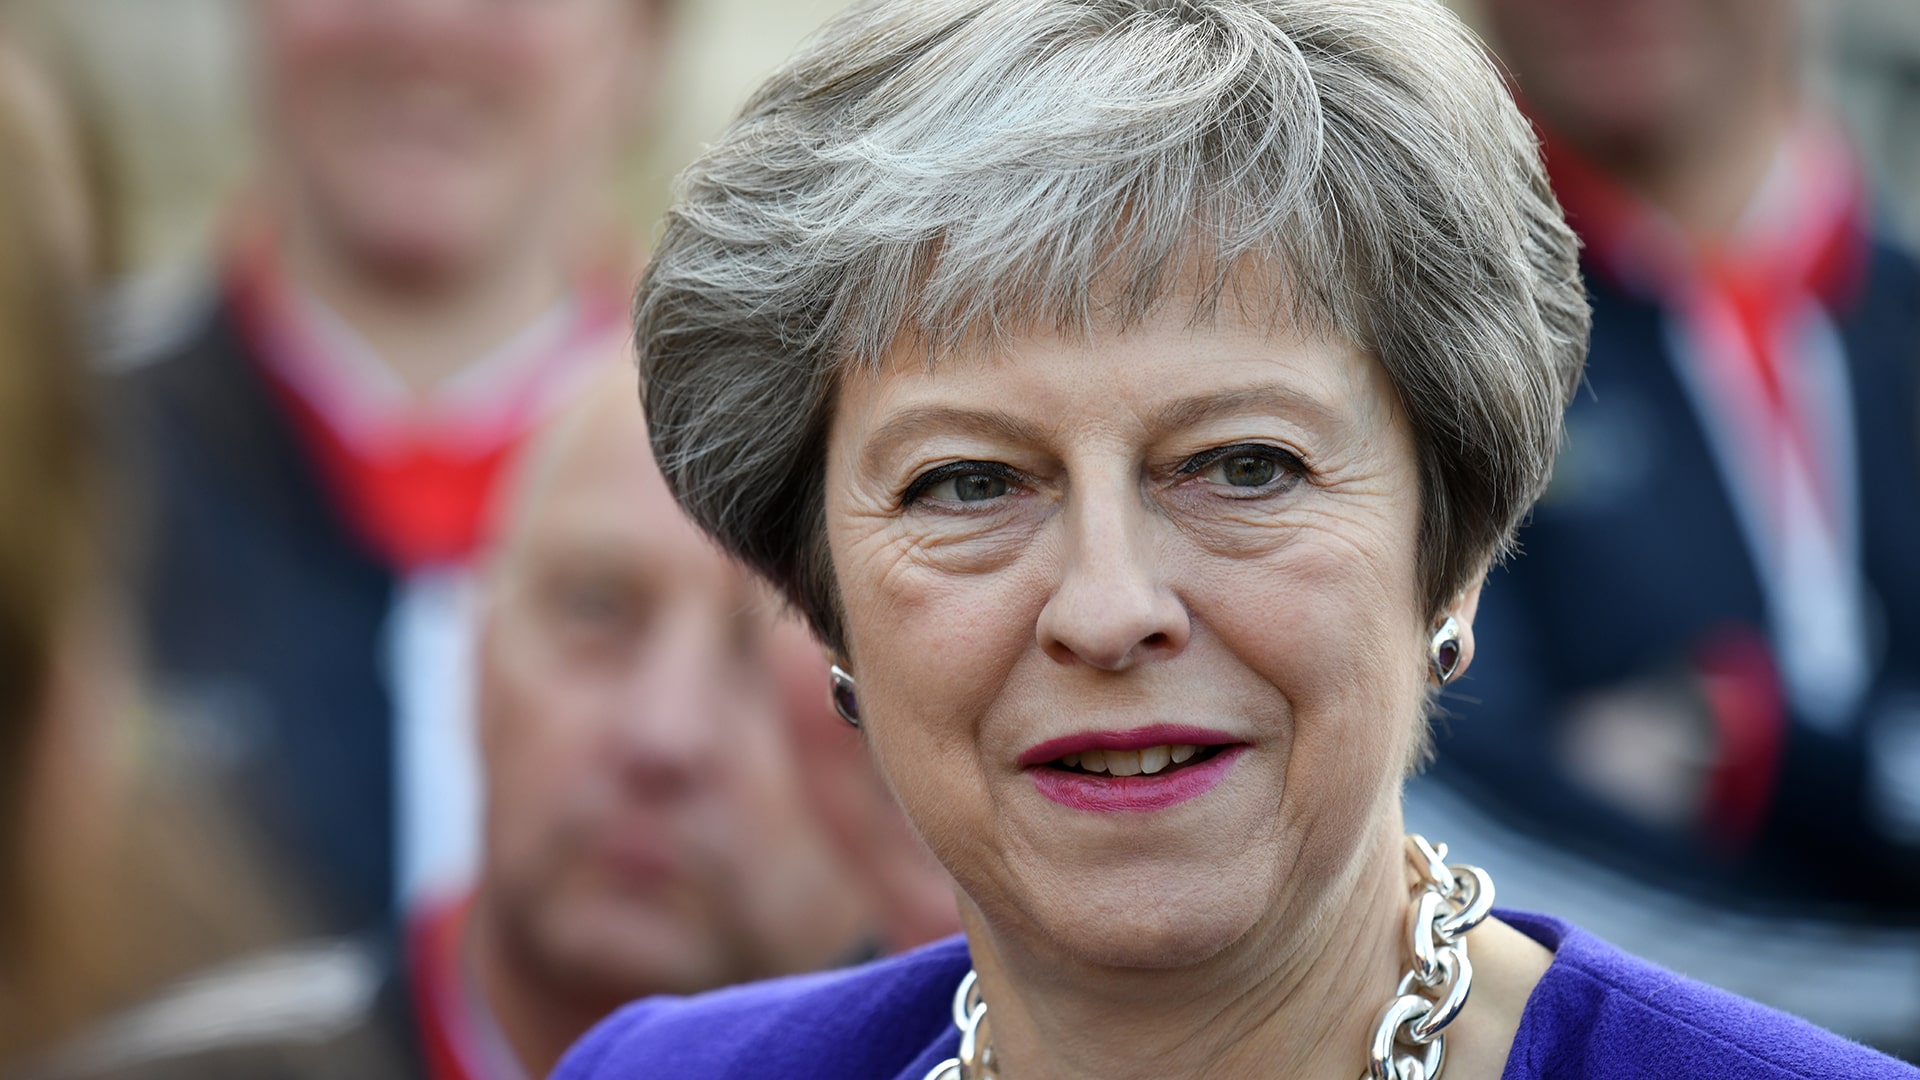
[(1187, 412), (1173, 416), (922, 418)]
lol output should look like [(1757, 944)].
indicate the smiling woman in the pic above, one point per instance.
[(1133, 394)]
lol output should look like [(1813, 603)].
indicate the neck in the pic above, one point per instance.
[(1298, 997), (1704, 178), (538, 1018), (429, 328)]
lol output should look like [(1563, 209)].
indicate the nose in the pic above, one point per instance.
[(423, 25), (426, 8), (1112, 608), (669, 723)]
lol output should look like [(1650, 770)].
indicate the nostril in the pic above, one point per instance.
[(1110, 618)]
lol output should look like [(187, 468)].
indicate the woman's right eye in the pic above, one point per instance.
[(962, 482), (971, 487)]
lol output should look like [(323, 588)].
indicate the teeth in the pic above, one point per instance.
[(1151, 760)]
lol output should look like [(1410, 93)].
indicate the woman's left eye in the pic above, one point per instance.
[(971, 487), (962, 482), (1246, 470)]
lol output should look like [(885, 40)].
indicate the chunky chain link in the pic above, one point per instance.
[(1409, 1041), (976, 1043)]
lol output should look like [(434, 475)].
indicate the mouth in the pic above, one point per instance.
[(1140, 770), (637, 859), (1151, 761)]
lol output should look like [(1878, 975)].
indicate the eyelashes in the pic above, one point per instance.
[(1248, 469), (1238, 470), (970, 481)]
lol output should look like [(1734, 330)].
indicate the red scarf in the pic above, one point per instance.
[(458, 1037), (1813, 249), (414, 483), (1763, 275)]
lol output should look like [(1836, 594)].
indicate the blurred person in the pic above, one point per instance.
[(1706, 668), (117, 870), (56, 165), (646, 829), (426, 267), (58, 790)]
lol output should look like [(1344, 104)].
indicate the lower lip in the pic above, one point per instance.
[(637, 859), (1133, 794)]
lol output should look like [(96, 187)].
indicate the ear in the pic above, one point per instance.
[(1463, 612)]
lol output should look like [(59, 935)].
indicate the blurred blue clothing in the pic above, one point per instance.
[(263, 617), (308, 593)]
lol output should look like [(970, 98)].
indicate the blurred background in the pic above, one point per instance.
[(173, 89), (359, 713), (172, 83)]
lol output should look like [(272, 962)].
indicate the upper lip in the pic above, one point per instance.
[(1131, 739)]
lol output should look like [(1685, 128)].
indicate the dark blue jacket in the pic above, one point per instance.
[(1635, 558), (263, 617)]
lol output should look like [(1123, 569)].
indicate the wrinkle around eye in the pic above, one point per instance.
[(959, 544)]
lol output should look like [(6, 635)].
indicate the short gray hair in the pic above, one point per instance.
[(972, 169)]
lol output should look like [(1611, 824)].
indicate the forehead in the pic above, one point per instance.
[(600, 489), (397, 10), (1171, 371), (330, 25)]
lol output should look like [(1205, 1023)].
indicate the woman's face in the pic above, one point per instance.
[(1181, 541)]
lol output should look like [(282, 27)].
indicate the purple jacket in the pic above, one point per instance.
[(1599, 1014)]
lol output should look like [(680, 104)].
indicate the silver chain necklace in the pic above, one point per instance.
[(1409, 1041)]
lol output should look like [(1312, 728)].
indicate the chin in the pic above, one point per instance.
[(1623, 108), (1139, 920), (415, 252), (425, 236), (613, 951)]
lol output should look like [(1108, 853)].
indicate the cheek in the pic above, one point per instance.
[(930, 643), (307, 42), (538, 740), (559, 72), (1325, 628), (1333, 625), (932, 653)]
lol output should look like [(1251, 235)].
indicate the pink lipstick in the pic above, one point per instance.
[(1202, 760)]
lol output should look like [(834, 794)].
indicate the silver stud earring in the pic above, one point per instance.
[(1443, 652), (840, 690)]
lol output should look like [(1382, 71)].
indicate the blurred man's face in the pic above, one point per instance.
[(1634, 73), (417, 137), (645, 828)]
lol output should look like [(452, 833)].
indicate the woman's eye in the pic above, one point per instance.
[(594, 608), (1248, 469), (971, 487), (961, 482)]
